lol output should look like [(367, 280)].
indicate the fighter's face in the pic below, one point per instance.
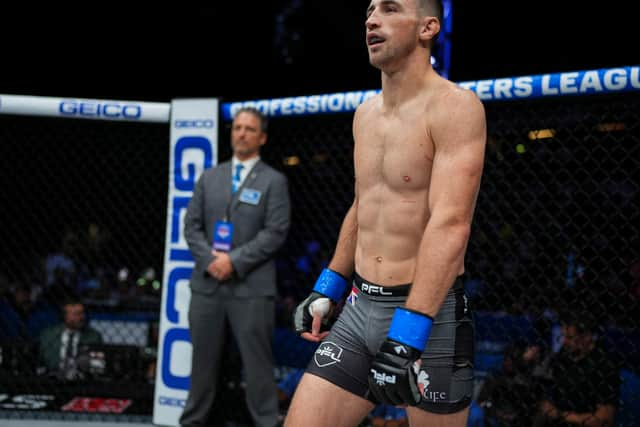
[(391, 30)]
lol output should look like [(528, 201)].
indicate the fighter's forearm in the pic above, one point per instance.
[(344, 256), (440, 260)]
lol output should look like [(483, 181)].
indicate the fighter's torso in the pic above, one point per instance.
[(393, 159)]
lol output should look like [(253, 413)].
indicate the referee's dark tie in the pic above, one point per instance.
[(235, 181)]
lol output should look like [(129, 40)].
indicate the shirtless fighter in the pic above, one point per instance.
[(405, 335)]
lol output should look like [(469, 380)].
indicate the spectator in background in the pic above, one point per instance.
[(60, 344), (21, 301), (96, 247), (12, 326), (62, 271), (61, 267), (236, 221), (22, 305), (508, 398), (584, 381), (19, 297)]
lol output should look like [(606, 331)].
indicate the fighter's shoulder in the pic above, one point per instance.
[(369, 105), (458, 98)]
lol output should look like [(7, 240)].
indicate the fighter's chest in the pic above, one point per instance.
[(393, 144)]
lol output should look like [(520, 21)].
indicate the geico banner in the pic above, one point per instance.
[(75, 108), (194, 142)]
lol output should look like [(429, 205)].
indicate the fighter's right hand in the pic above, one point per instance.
[(315, 315)]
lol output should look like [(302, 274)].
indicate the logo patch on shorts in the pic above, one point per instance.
[(328, 353), (423, 382), (429, 395)]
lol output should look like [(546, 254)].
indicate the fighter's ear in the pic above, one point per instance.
[(429, 28)]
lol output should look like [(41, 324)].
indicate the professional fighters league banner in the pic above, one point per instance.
[(194, 143)]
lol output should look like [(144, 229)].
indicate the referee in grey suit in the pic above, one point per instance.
[(237, 219)]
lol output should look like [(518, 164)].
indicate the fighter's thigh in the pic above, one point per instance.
[(418, 418), (317, 402)]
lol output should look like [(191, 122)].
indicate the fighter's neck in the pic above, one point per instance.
[(405, 83)]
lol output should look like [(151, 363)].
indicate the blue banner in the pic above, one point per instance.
[(609, 80)]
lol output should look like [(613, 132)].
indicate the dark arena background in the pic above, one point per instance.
[(84, 205)]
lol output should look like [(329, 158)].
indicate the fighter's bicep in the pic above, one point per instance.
[(459, 130), (459, 141)]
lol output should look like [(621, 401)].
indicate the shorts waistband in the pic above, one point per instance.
[(392, 291), (379, 290)]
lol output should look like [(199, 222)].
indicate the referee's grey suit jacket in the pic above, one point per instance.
[(259, 230)]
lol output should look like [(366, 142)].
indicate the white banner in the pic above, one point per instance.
[(77, 108), (194, 144)]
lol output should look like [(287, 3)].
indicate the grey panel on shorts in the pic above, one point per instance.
[(446, 375)]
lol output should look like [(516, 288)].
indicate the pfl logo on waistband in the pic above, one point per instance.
[(374, 289)]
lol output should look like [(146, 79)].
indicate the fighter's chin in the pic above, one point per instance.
[(377, 62)]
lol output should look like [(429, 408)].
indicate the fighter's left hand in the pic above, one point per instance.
[(393, 374)]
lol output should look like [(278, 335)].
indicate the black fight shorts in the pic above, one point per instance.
[(446, 375)]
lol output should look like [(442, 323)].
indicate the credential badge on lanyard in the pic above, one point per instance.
[(222, 236)]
